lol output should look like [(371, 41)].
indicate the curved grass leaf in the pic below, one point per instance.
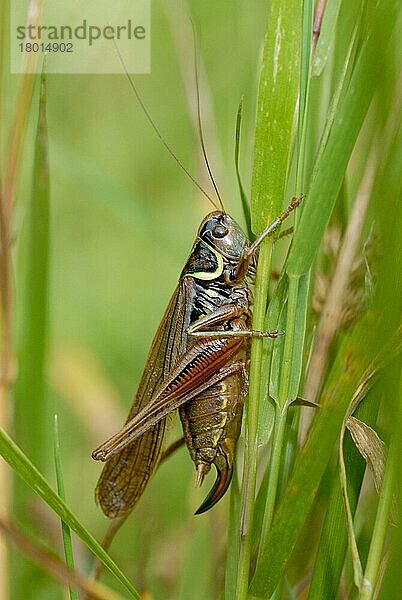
[(370, 446), (65, 530), (17, 460)]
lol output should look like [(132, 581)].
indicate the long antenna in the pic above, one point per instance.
[(158, 133), (204, 152)]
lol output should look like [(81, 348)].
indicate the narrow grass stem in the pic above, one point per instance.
[(6, 354), (65, 530), (250, 457), (281, 409), (382, 518), (274, 468), (288, 345)]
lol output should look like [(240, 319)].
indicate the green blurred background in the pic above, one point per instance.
[(122, 220)]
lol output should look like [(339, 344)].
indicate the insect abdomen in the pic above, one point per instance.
[(211, 424)]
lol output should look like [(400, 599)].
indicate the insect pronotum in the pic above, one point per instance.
[(197, 364)]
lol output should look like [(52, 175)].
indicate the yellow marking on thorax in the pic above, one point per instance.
[(209, 275)]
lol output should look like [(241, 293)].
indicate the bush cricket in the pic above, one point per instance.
[(197, 363)]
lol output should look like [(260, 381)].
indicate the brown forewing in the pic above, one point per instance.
[(126, 474)]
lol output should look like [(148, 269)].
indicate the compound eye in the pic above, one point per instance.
[(219, 231)]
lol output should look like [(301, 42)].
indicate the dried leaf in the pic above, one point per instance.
[(371, 447), (392, 349)]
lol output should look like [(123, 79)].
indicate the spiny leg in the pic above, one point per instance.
[(222, 314), (242, 333)]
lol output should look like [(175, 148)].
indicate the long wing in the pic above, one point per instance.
[(126, 474), (199, 368)]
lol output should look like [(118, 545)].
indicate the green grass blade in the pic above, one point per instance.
[(18, 461), (293, 365), (277, 94), (311, 462), (333, 543), (300, 146), (66, 533), (275, 319), (233, 538), (352, 109), (287, 360), (326, 39), (300, 317), (31, 416), (287, 354), (391, 584), (278, 88), (243, 197), (294, 341)]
